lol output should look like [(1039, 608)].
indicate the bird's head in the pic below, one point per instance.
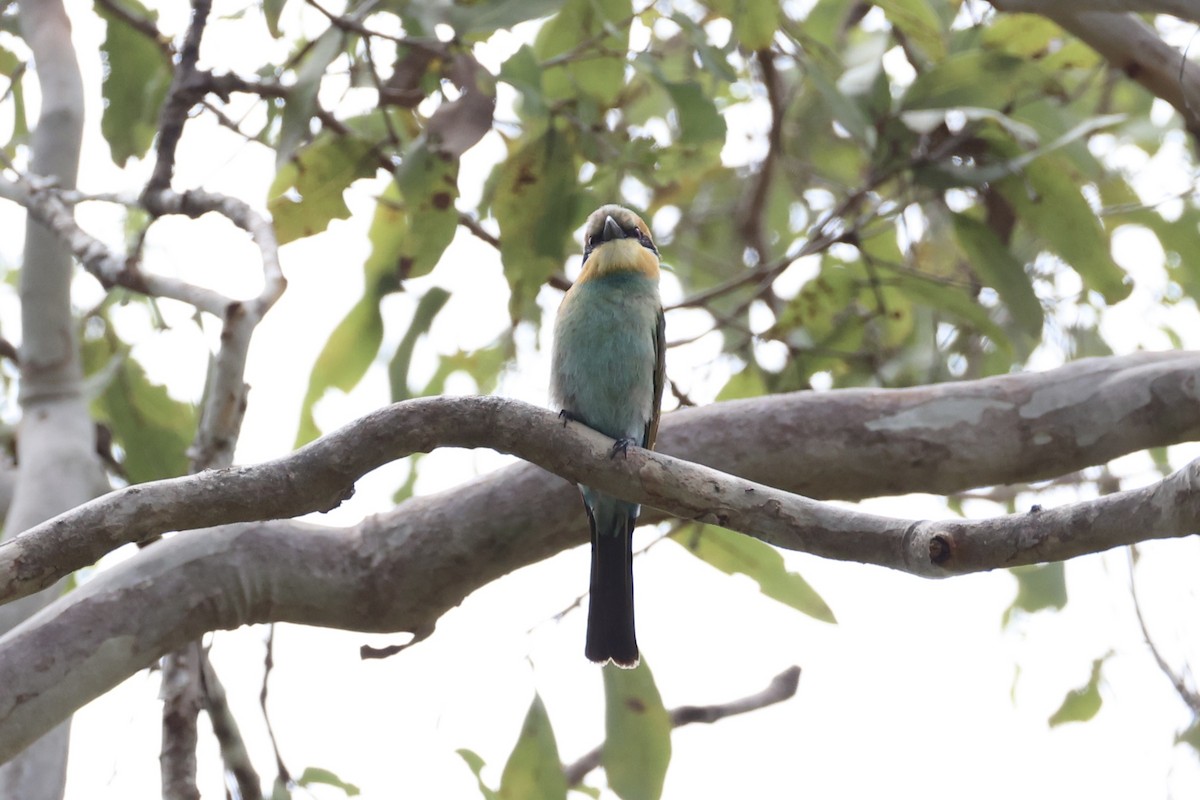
[(616, 240)]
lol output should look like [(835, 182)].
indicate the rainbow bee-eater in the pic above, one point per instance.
[(607, 373)]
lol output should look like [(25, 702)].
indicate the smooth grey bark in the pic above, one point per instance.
[(57, 467), (402, 570), (1129, 44)]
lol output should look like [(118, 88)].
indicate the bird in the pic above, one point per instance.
[(607, 373)]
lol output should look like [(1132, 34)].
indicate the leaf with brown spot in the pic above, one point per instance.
[(415, 218), (637, 743), (535, 202)]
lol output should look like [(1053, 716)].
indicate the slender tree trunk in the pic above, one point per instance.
[(57, 467)]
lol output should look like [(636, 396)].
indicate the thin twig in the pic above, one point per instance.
[(1186, 693), (229, 736), (283, 777), (184, 94), (782, 687), (753, 223)]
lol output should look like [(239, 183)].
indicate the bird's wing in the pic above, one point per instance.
[(660, 352)]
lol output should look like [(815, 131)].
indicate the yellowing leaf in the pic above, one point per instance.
[(307, 191)]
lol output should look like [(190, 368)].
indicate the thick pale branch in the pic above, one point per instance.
[(846, 444), (403, 570), (1130, 44), (1184, 9)]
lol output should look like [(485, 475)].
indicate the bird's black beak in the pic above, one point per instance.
[(612, 231)]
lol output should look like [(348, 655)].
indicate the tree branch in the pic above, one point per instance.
[(1179, 682), (782, 687), (403, 570), (846, 444), (1184, 9), (229, 736), (181, 707), (185, 92), (1130, 44)]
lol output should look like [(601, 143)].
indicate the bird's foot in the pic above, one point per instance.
[(567, 416), (622, 446)]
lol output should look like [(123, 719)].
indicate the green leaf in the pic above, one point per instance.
[(307, 191), (153, 429), (844, 110), (476, 764), (974, 79), (954, 302), (13, 67), (754, 21), (733, 553), (699, 120), (415, 218), (343, 361), (637, 733), (272, 9), (1047, 200), (998, 268), (136, 79), (1083, 703), (585, 45), (746, 383), (483, 365), (714, 60), (295, 127), (1025, 35), (316, 775), (535, 204), (919, 23), (534, 771), (476, 19), (427, 308), (523, 72), (1190, 735), (1039, 586)]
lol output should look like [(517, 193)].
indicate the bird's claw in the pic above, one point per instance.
[(622, 446), (567, 416)]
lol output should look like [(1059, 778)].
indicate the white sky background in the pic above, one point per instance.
[(916, 693)]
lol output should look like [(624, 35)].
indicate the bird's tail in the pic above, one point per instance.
[(610, 631)]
